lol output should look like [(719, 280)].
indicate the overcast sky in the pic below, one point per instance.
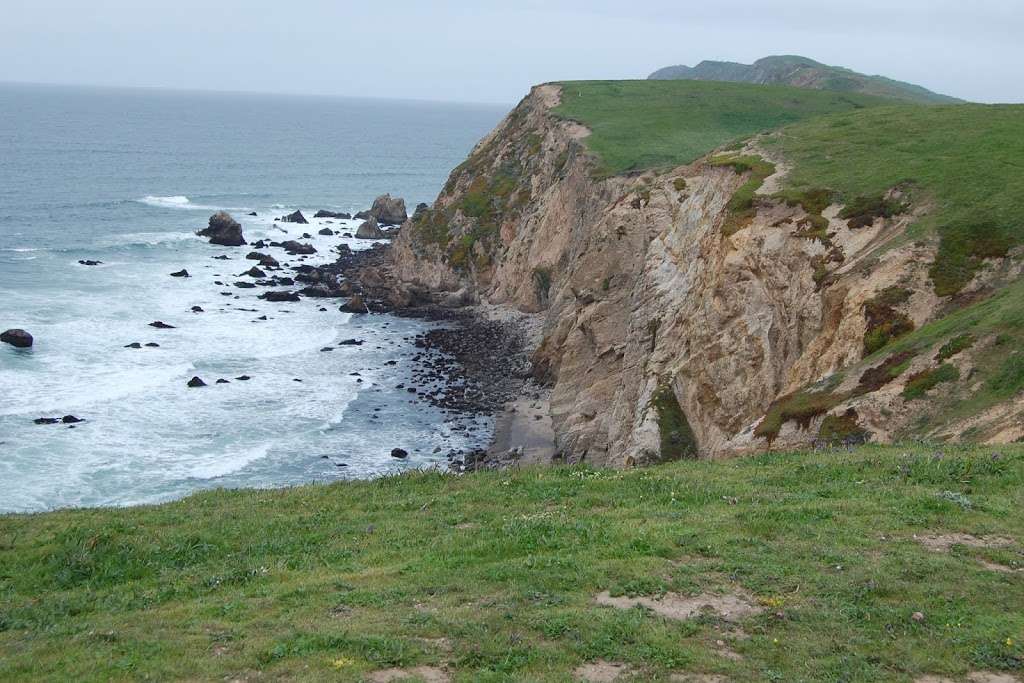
[(488, 51)]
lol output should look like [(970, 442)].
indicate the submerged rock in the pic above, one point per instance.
[(223, 230), (254, 272), (71, 419), (18, 338), (195, 383), (89, 262), (160, 325), (180, 273), (400, 453)]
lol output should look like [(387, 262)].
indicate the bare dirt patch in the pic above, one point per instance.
[(674, 606), (601, 671), (941, 543), (430, 674)]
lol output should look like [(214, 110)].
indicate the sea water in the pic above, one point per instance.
[(125, 177)]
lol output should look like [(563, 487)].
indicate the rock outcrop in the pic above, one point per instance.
[(223, 230), (389, 210), (296, 217), (666, 333)]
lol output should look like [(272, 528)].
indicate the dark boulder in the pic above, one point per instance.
[(324, 213), (46, 420), (195, 383), (89, 262), (245, 285), (18, 338), (180, 273), (153, 345), (363, 215), (370, 230), (296, 217), (293, 247), (197, 309), (133, 345), (421, 209), (400, 453), (160, 325), (325, 231), (350, 342), (279, 296), (253, 213), (223, 381), (254, 272), (223, 230), (71, 419), (265, 260)]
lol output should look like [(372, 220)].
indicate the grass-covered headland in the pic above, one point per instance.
[(877, 564)]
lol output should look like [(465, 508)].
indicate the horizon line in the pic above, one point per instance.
[(265, 93)]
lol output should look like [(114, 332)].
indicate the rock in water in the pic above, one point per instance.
[(324, 213), (223, 230), (195, 383), (19, 338), (71, 419), (325, 231), (296, 217), (369, 230), (180, 273), (255, 272), (293, 247), (389, 210), (160, 325), (279, 296), (421, 209), (399, 453)]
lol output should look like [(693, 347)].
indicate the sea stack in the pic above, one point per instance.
[(223, 230)]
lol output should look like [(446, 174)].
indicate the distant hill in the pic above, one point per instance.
[(804, 73)]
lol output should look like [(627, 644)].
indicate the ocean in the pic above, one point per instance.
[(125, 177)]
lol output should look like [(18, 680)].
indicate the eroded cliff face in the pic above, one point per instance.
[(668, 331)]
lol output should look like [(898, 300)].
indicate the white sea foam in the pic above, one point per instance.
[(229, 463), (178, 201)]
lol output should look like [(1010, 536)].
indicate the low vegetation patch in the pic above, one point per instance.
[(805, 564), (842, 429), (741, 205), (884, 322), (861, 212), (677, 438), (919, 383), (959, 343)]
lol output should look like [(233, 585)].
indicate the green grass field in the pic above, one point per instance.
[(638, 125), (493, 576)]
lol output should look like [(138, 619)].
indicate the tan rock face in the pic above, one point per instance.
[(640, 287)]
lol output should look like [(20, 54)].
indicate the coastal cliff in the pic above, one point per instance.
[(704, 309)]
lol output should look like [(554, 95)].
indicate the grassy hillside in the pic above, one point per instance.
[(966, 161), (638, 125), (493, 576), (806, 73)]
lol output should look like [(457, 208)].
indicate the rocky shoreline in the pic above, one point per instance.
[(473, 365)]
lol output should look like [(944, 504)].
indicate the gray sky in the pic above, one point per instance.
[(493, 51)]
